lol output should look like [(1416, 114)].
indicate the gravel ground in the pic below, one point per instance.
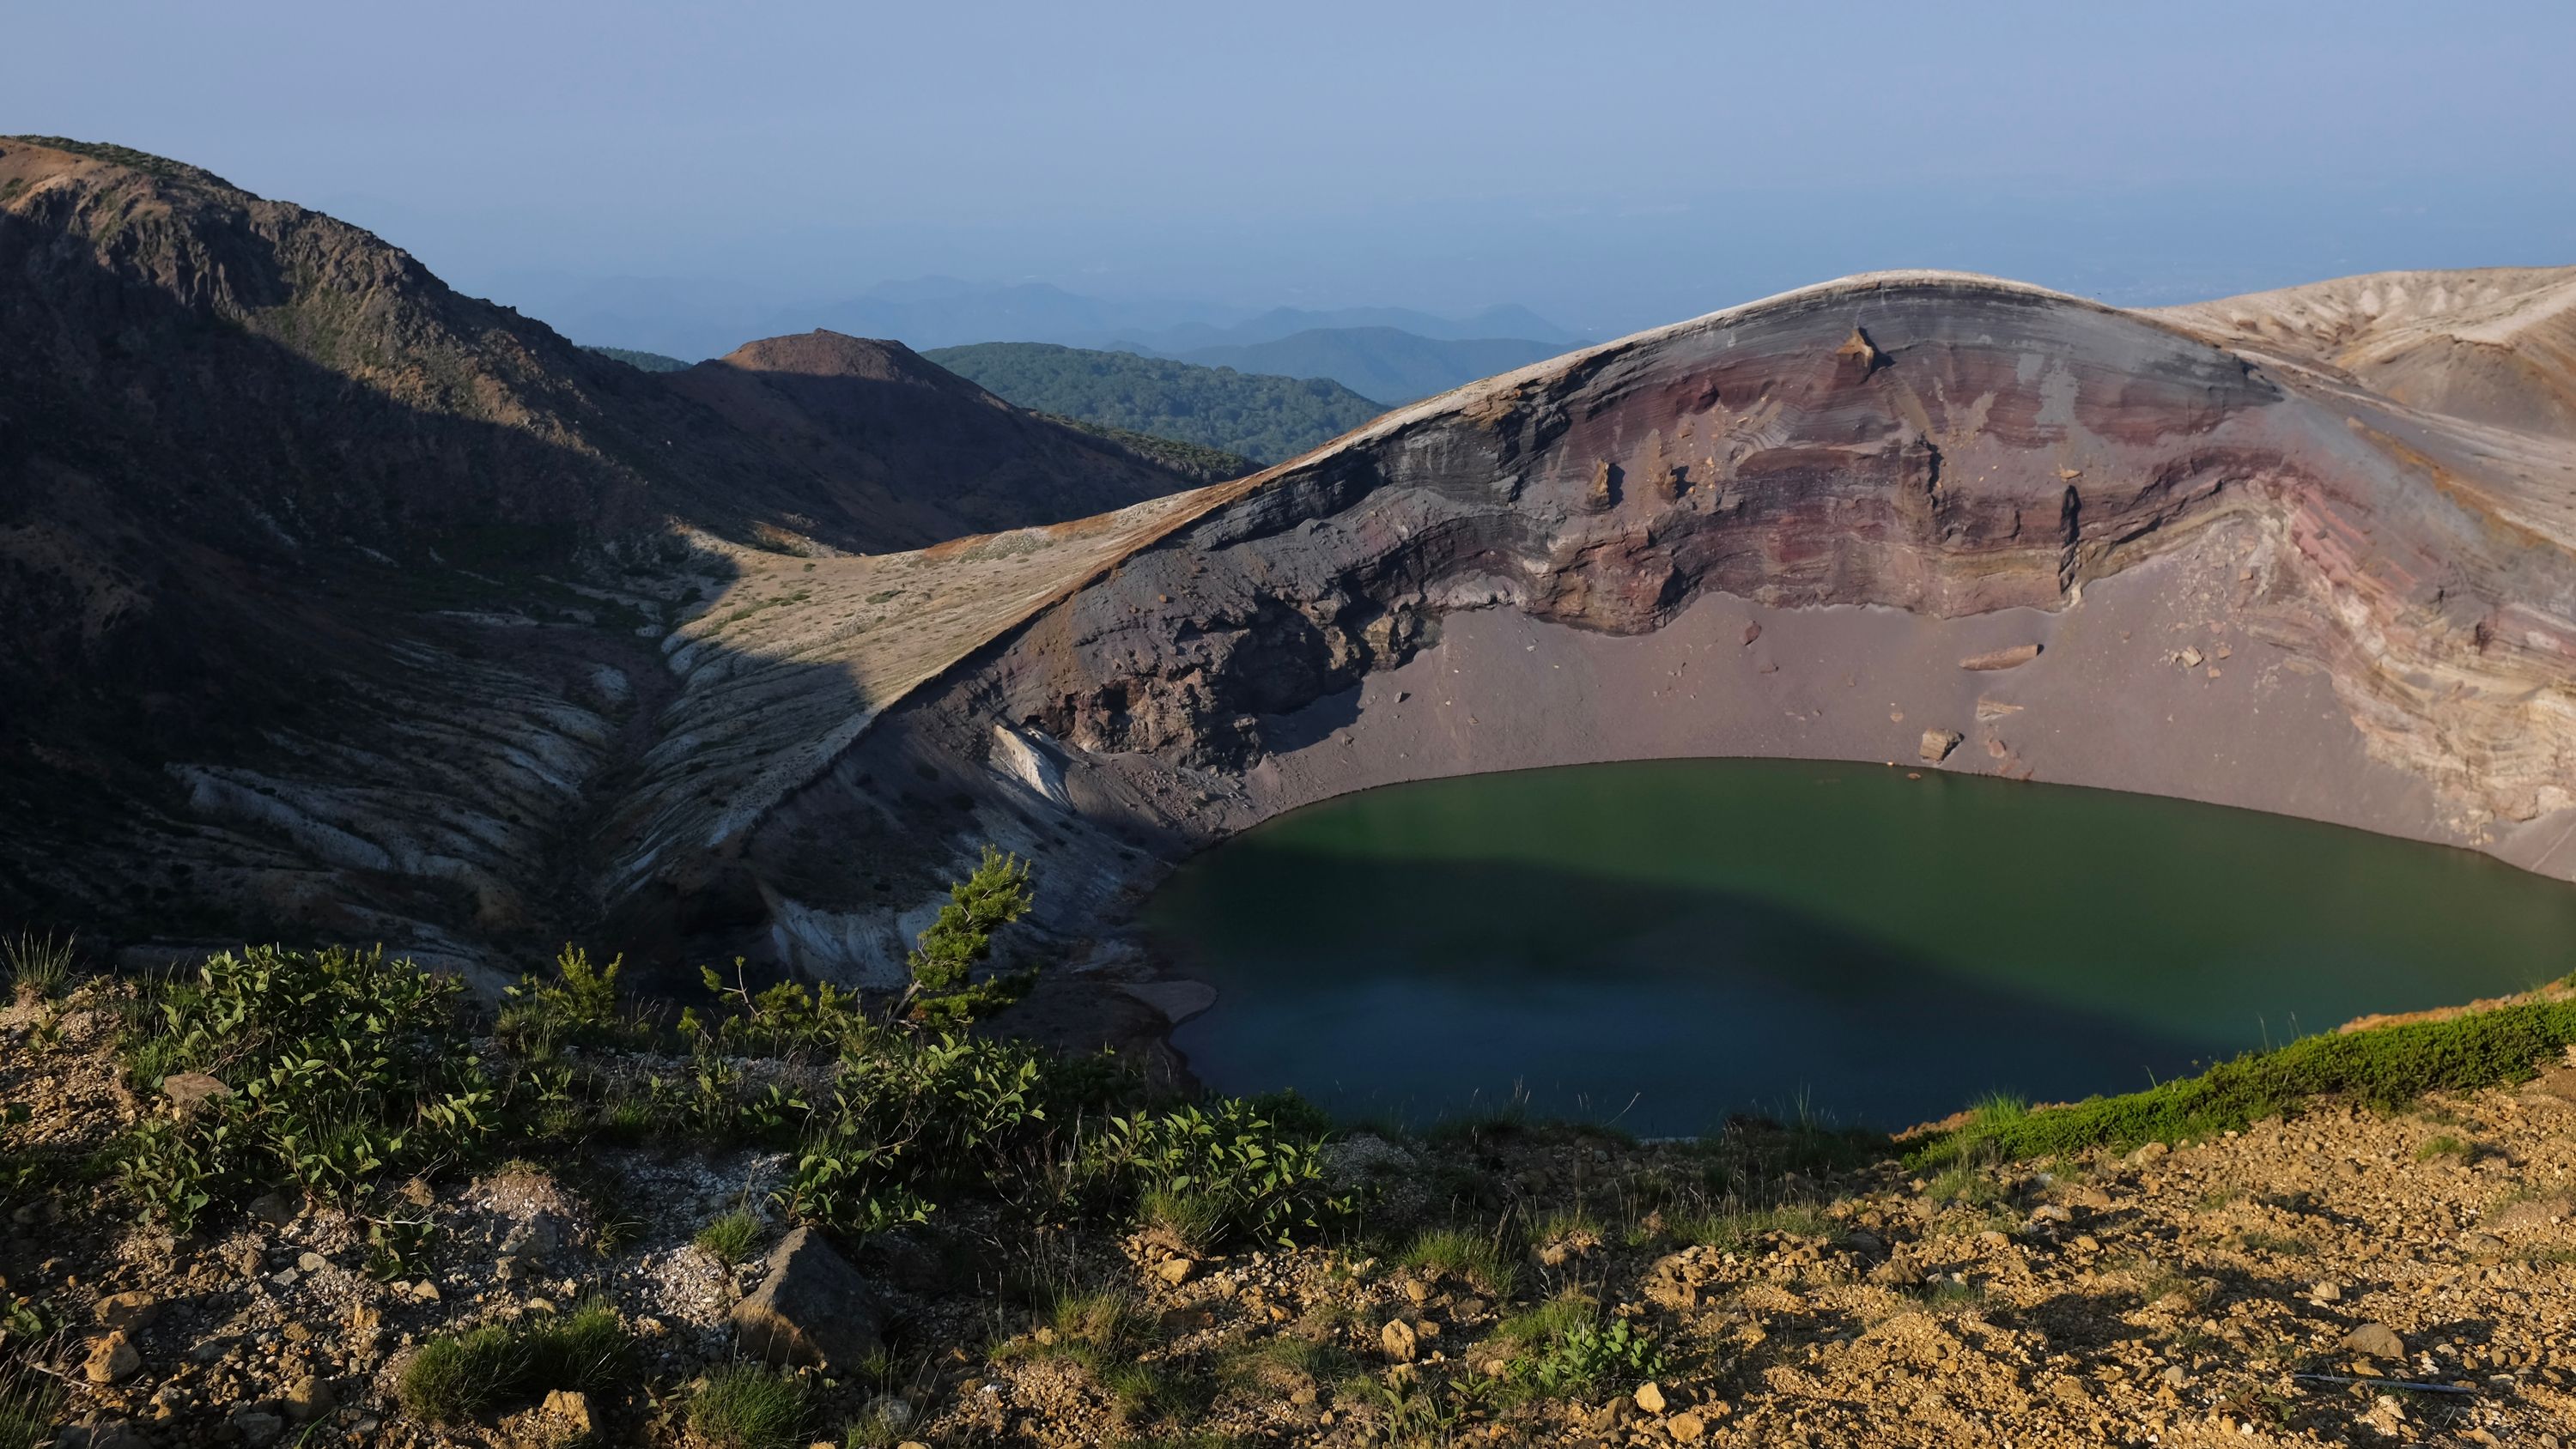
[(2212, 1292)]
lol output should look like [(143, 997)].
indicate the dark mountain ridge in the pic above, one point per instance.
[(276, 503)]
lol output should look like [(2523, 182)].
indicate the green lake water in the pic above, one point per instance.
[(1662, 944)]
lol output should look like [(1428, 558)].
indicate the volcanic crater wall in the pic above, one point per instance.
[(1891, 476)]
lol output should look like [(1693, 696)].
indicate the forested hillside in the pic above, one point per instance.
[(1267, 419)]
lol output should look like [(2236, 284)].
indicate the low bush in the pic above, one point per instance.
[(2385, 1068), (342, 1067), (1573, 1352), (1255, 1179)]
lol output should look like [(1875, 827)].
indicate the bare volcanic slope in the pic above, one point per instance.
[(1930, 518), (2496, 345), (331, 594)]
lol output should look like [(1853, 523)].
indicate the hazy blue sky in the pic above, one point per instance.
[(1611, 165)]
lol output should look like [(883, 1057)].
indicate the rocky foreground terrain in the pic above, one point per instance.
[(653, 1242)]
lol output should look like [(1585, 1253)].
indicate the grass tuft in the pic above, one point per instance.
[(731, 1238), (38, 967), (749, 1406), (29, 1405), (455, 1377), (1477, 1257)]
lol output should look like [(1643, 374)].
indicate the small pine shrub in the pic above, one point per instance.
[(943, 992), (747, 1406)]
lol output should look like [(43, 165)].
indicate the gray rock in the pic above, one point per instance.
[(539, 1237), (812, 1308), (274, 1209), (257, 1427), (2375, 1340)]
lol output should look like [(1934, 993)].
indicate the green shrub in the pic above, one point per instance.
[(2384, 1068), (577, 1008), (747, 1406), (345, 1067), (1257, 1181), (782, 1020), (1587, 1356), (455, 1377), (912, 1116), (731, 1238)]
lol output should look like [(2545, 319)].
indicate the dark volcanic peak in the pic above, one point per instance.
[(922, 452), (331, 593)]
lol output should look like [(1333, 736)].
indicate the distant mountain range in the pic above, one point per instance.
[(1388, 363), (697, 319), (1266, 419)]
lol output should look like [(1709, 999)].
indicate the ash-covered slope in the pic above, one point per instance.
[(1921, 517), (2496, 345), (328, 589)]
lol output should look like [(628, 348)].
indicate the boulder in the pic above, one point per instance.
[(1398, 1340), (1937, 745), (112, 1359), (256, 1426), (309, 1398), (812, 1308), (569, 1411)]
